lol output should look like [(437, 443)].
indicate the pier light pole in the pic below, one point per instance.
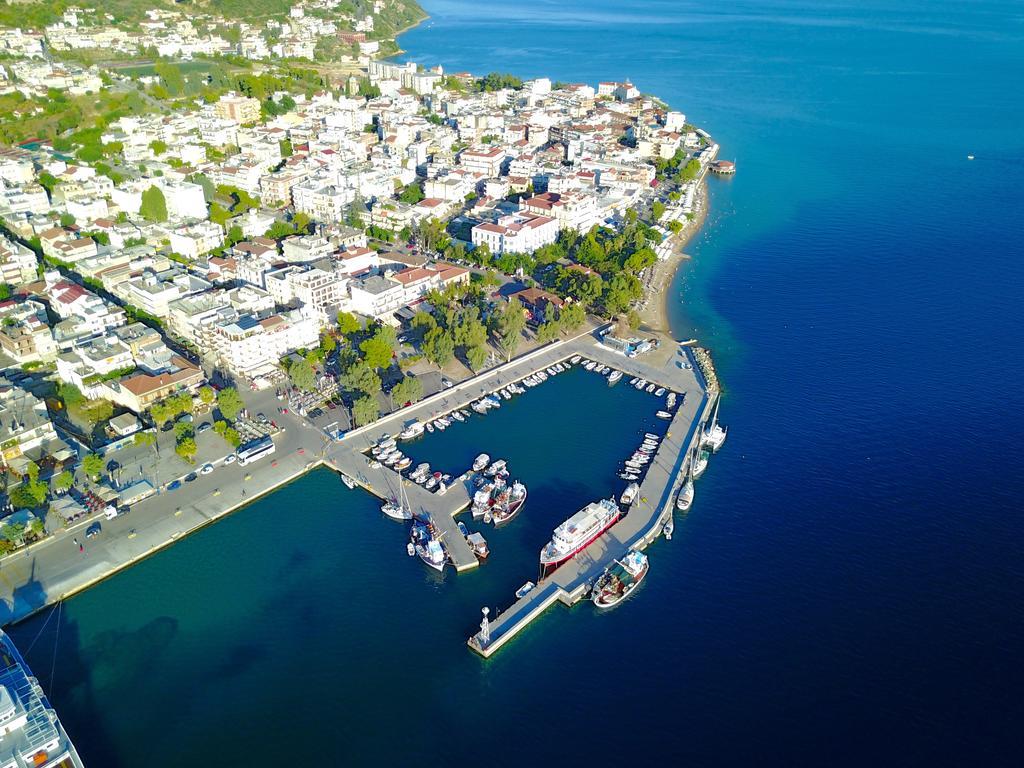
[(485, 629)]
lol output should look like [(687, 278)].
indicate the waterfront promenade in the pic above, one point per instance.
[(55, 569)]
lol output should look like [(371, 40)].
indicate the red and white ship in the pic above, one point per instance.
[(579, 531)]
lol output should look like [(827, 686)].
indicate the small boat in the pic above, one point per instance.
[(479, 545), (590, 366), (464, 413), (403, 463), (700, 464), (651, 388), (574, 359), (458, 416), (685, 498), (480, 462), (670, 526), (505, 395), (410, 549), (462, 528), (478, 406), (495, 468), (640, 384), (431, 483), (670, 401), (430, 427), (620, 579), (659, 392), (348, 481), (633, 381), (396, 511), (374, 464), (524, 590), (413, 430), (714, 436), (663, 415), (629, 494), (652, 436), (614, 376)]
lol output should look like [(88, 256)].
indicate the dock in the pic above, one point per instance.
[(645, 517)]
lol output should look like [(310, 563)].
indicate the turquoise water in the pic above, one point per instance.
[(846, 589)]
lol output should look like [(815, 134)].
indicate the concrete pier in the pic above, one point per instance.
[(646, 516)]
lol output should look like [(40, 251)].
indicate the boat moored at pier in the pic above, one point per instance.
[(576, 533), (620, 579)]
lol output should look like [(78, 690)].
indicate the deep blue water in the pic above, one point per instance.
[(846, 589)]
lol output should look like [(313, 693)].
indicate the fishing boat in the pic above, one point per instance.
[(629, 494), (508, 502), (348, 481), (480, 462), (620, 579), (663, 415), (576, 533), (413, 430), (495, 468), (428, 545), (482, 501), (479, 545), (714, 435)]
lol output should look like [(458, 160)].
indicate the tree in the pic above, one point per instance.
[(377, 352), (183, 429), (229, 403), (144, 439), (70, 394), (158, 147), (92, 465), (154, 205), (675, 226), (302, 375), (186, 449), (235, 235), (510, 327), (572, 317), (423, 319), (408, 390), (438, 346), (411, 193), (476, 356), (361, 378), (67, 220), (548, 332), (348, 323), (207, 395), (63, 481), (365, 410), (657, 209), (327, 343)]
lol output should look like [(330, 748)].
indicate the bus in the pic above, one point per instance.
[(255, 451)]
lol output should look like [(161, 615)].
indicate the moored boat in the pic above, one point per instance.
[(508, 502), (629, 494), (663, 415), (576, 533), (614, 376), (481, 462), (620, 579), (413, 430), (714, 436)]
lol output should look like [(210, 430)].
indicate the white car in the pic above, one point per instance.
[(230, 459), (207, 469)]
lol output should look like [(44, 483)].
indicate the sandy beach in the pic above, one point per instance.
[(658, 283)]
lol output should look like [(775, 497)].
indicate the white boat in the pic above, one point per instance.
[(348, 481), (629, 494), (663, 415), (651, 388), (614, 376), (659, 392), (413, 430), (410, 549), (590, 366), (508, 502), (478, 406), (670, 401), (399, 509), (652, 436), (505, 395), (495, 468), (440, 424), (524, 590), (575, 359), (576, 533), (480, 462), (620, 579), (403, 463), (464, 413), (633, 381), (714, 435), (670, 526), (684, 500), (700, 464), (430, 427), (640, 384), (458, 416), (431, 483)]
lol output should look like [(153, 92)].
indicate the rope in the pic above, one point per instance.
[(40, 632), (56, 640)]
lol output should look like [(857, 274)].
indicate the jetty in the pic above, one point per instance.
[(647, 514)]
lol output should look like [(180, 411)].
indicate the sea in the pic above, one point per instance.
[(846, 589)]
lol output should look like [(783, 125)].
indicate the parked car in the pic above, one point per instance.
[(230, 459), (190, 477), (93, 531), (174, 485), (207, 469), (204, 427)]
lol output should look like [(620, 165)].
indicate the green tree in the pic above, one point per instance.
[(327, 343), (377, 352), (548, 332), (361, 378), (158, 147), (92, 465), (657, 209), (207, 395), (365, 410), (154, 205), (144, 439), (67, 220), (510, 327), (408, 390), (70, 394), (302, 375), (572, 317), (63, 482), (438, 346), (411, 193), (348, 323), (229, 403), (423, 319), (476, 356), (675, 226), (186, 449)]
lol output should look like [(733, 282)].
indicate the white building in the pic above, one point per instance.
[(516, 233), (193, 240)]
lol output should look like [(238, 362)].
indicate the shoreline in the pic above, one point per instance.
[(654, 314)]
